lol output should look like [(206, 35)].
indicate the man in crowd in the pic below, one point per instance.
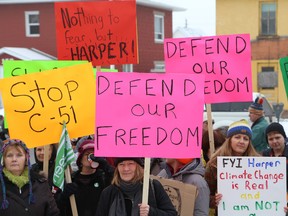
[(259, 125)]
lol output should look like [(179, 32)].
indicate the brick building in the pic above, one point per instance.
[(31, 24)]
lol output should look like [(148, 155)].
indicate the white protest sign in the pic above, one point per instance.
[(251, 186)]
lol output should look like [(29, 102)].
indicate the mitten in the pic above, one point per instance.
[(69, 189)]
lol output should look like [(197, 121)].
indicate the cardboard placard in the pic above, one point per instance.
[(182, 195)]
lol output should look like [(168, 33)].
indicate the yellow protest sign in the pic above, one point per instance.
[(37, 104)]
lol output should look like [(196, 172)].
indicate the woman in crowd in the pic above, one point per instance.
[(22, 191), (93, 175), (124, 196), (39, 158), (238, 143), (189, 171), (219, 139)]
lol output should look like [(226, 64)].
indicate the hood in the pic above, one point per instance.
[(53, 156), (194, 167)]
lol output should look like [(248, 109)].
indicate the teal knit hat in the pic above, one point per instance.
[(7, 143)]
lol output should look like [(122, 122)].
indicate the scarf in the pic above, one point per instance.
[(130, 189), (127, 190), (20, 181)]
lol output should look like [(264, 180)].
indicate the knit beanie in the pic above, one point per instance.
[(85, 145), (140, 161), (257, 106), (7, 143), (239, 127), (275, 127)]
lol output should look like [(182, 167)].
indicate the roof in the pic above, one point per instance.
[(182, 32), (26, 53), (159, 5), (30, 1), (147, 3)]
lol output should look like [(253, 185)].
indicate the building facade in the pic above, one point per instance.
[(266, 22), (31, 24)]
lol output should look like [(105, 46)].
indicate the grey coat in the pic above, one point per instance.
[(193, 173)]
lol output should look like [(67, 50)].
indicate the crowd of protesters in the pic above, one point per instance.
[(114, 186)]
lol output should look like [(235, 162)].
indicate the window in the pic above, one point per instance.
[(267, 78), (268, 19), (32, 23), (159, 66), (159, 27), (127, 67)]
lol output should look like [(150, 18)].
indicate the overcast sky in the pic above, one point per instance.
[(200, 15)]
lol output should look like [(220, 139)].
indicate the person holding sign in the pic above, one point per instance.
[(124, 196), (93, 175), (190, 171), (22, 191), (238, 143), (39, 158)]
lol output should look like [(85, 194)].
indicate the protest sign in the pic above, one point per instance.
[(103, 33), (182, 195), (251, 186), (18, 67), (224, 60), (37, 104), (148, 115), (284, 70)]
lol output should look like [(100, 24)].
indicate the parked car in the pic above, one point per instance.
[(224, 114)]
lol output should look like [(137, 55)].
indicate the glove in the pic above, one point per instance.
[(102, 162), (70, 189)]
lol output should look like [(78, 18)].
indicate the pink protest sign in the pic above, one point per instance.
[(224, 60), (149, 115)]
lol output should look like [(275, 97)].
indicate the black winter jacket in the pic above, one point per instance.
[(44, 205), (89, 188), (158, 200)]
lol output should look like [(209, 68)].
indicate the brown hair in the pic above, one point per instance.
[(16, 146), (226, 150), (219, 139), (139, 174)]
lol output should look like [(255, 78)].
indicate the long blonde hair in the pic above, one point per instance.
[(226, 150)]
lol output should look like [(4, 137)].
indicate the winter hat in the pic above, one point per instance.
[(137, 160), (239, 127), (257, 107), (7, 143), (81, 140), (85, 145), (184, 160), (275, 127)]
